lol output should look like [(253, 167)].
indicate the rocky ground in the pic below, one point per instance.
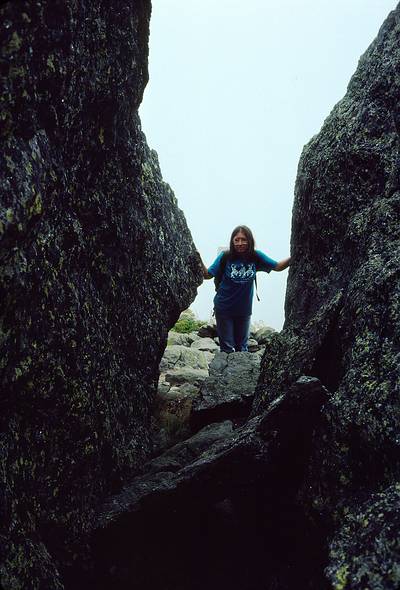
[(199, 385)]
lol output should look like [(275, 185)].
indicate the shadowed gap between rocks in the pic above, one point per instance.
[(327, 365), (219, 515)]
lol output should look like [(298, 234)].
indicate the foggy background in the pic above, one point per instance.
[(236, 90)]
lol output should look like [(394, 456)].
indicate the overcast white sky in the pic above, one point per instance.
[(236, 89)]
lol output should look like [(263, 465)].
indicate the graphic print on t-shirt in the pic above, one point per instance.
[(240, 272)]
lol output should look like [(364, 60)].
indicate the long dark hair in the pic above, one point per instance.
[(250, 254)]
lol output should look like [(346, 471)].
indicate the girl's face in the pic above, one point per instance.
[(240, 242)]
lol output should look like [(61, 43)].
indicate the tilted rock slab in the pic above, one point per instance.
[(96, 265), (150, 522), (343, 304)]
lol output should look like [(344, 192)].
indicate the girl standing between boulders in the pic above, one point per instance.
[(234, 272)]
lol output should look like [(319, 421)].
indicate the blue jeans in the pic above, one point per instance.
[(233, 333)]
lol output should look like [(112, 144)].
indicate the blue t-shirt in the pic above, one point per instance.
[(234, 297)]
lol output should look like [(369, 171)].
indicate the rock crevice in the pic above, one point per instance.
[(96, 264)]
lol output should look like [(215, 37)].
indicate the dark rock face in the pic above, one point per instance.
[(343, 309), (96, 265), (367, 547)]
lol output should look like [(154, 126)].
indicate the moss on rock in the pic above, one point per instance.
[(96, 264), (343, 304)]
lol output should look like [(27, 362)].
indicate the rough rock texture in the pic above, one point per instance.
[(343, 314), (295, 498), (205, 344), (96, 265), (183, 375), (181, 339), (264, 334), (228, 391), (178, 355), (366, 550)]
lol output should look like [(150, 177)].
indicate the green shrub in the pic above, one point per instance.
[(187, 323)]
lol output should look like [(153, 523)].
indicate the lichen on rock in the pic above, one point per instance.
[(96, 264), (343, 300)]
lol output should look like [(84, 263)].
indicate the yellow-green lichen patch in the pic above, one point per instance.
[(15, 43), (101, 135), (341, 578), (16, 72), (147, 171), (50, 63), (23, 367), (37, 205)]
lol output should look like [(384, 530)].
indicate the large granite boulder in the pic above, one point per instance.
[(177, 339), (182, 375), (177, 355), (343, 315), (229, 390), (96, 265)]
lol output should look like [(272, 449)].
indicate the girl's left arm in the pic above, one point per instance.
[(282, 264)]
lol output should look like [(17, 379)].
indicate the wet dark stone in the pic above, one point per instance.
[(96, 263), (366, 549), (343, 309)]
